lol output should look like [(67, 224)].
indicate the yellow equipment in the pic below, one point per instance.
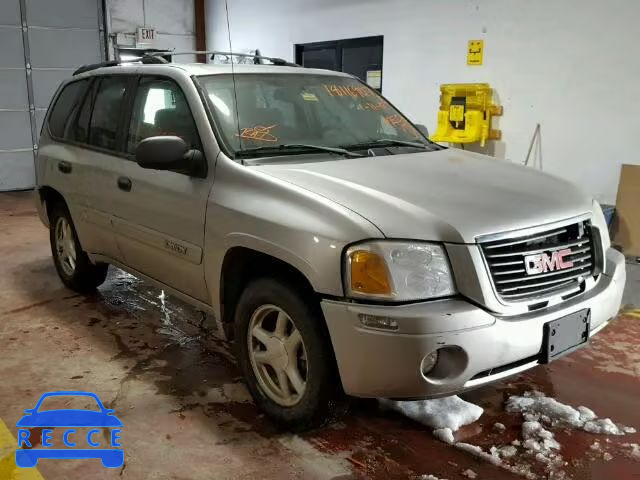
[(465, 114)]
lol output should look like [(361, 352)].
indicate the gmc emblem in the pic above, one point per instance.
[(543, 262)]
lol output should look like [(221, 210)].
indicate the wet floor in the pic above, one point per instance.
[(187, 415)]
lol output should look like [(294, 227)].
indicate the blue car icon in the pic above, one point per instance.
[(69, 418)]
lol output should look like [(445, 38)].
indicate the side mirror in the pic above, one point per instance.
[(422, 129), (170, 153)]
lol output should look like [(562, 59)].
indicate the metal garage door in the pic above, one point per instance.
[(42, 41)]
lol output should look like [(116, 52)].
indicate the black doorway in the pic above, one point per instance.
[(361, 57)]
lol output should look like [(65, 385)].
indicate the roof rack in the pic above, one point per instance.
[(257, 58), (158, 58)]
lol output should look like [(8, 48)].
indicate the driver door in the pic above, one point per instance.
[(159, 216)]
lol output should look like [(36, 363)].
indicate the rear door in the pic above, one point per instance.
[(159, 216), (96, 140), (80, 152)]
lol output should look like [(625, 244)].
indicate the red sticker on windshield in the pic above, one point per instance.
[(259, 133)]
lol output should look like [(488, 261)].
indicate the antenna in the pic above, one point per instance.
[(233, 75)]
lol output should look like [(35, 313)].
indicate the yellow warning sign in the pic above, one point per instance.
[(456, 113), (475, 52)]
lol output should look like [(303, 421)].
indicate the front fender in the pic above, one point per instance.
[(250, 209)]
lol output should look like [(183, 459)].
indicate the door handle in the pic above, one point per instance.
[(124, 183), (64, 167)]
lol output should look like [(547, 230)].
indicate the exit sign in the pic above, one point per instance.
[(145, 35)]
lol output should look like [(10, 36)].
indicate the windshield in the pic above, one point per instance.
[(302, 109)]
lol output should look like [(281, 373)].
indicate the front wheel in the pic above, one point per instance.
[(285, 354), (72, 263)]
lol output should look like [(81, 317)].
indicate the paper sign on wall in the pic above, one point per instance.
[(374, 78), (475, 52)]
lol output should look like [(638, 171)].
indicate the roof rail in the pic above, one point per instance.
[(93, 66), (257, 57), (158, 58), (114, 63)]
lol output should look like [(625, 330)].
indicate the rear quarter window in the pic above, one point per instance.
[(65, 108)]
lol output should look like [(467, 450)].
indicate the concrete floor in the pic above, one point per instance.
[(187, 415)]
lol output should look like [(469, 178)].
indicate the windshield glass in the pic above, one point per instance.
[(284, 109)]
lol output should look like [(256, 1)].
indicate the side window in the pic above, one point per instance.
[(79, 132), (107, 112), (65, 108), (161, 109)]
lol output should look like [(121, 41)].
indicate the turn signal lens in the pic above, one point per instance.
[(369, 274)]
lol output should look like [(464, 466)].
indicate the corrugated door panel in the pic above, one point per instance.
[(62, 35), (63, 13), (16, 154), (16, 170)]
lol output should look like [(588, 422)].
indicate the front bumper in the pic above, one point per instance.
[(473, 343)]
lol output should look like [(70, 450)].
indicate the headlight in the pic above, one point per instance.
[(398, 271)]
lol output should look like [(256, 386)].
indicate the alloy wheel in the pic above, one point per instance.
[(278, 355), (65, 246)]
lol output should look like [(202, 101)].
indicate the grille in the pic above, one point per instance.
[(506, 261)]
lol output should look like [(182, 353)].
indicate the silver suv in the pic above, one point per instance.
[(340, 249)]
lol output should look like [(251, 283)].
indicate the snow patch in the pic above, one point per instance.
[(499, 427), (444, 434), (478, 452), (430, 477), (635, 449), (469, 473), (448, 412), (536, 407), (507, 451)]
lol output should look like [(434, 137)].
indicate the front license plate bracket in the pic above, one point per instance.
[(565, 335)]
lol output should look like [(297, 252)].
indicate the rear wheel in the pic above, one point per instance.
[(286, 356), (72, 263)]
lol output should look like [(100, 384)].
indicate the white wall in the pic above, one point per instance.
[(570, 65), (173, 20)]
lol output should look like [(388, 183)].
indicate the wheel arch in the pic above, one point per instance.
[(242, 264), (49, 196)]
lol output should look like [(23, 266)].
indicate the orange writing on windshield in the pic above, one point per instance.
[(259, 133), (400, 122), (373, 107), (348, 91)]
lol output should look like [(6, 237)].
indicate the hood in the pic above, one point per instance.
[(447, 195)]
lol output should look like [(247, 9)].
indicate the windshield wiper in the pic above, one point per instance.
[(388, 142), (292, 147)]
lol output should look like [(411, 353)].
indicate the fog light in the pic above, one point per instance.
[(382, 323), (429, 362)]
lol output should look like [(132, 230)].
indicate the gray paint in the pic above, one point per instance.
[(16, 170), (13, 88), (15, 128), (62, 13), (12, 52), (9, 13), (66, 48)]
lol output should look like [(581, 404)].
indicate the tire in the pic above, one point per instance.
[(321, 399), (72, 263)]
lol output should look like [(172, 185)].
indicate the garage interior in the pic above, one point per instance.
[(562, 100)]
